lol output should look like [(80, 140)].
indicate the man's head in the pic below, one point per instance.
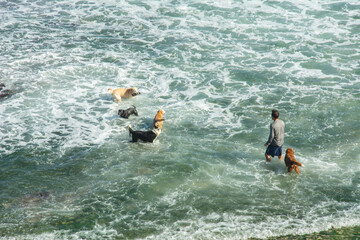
[(275, 114)]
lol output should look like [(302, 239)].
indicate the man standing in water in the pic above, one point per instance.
[(276, 137)]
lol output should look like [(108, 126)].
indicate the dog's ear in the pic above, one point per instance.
[(136, 90)]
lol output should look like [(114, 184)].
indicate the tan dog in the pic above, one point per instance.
[(291, 162), (120, 93), (158, 120)]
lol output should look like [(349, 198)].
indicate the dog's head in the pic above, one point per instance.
[(159, 114), (290, 152), (133, 91), (120, 112), (158, 120)]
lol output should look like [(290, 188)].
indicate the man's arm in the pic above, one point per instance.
[(271, 135)]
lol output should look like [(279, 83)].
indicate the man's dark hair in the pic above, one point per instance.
[(275, 113)]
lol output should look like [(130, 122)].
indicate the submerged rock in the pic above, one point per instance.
[(5, 92)]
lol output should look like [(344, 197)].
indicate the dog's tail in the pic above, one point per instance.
[(110, 90)]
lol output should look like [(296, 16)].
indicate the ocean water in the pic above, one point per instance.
[(217, 67)]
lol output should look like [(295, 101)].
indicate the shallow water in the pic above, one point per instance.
[(218, 68)]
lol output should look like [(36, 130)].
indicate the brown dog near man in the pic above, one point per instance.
[(291, 162)]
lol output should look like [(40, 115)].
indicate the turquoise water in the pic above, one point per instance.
[(218, 68)]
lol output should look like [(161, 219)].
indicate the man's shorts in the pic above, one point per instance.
[(274, 150)]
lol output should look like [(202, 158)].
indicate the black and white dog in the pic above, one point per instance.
[(126, 113), (146, 136)]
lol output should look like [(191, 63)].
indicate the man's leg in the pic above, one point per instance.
[(268, 158)]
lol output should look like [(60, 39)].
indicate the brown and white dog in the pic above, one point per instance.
[(120, 93), (291, 162), (151, 135), (158, 120)]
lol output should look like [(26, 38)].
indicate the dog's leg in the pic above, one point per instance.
[(157, 122), (117, 97), (160, 120), (134, 138), (297, 163)]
